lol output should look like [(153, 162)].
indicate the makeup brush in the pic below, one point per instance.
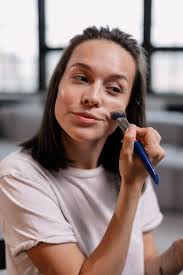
[(123, 123)]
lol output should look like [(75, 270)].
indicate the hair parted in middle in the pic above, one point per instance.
[(46, 146)]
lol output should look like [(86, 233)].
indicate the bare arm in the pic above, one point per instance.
[(110, 255), (107, 259), (168, 263)]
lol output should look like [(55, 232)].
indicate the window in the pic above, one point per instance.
[(157, 25), (51, 61), (65, 19), (167, 47), (19, 46), (167, 23), (63, 22), (167, 72)]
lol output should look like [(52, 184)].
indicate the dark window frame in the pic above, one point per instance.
[(151, 49), (44, 49), (146, 43)]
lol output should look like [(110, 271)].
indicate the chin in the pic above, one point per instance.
[(86, 137), (81, 138)]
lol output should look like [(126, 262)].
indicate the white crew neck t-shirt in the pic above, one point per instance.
[(72, 205)]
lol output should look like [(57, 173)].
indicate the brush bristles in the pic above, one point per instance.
[(116, 115), (123, 123), (120, 117)]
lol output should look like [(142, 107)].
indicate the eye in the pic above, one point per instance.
[(80, 77), (114, 89)]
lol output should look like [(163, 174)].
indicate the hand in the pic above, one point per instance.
[(178, 247), (131, 168), (170, 262)]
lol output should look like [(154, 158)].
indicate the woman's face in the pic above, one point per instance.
[(97, 81)]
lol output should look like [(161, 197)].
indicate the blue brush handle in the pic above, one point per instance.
[(139, 149)]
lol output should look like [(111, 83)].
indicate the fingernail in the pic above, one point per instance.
[(131, 129), (132, 126)]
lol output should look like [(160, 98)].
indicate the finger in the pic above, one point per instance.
[(128, 140), (149, 135), (157, 135), (159, 154), (155, 153)]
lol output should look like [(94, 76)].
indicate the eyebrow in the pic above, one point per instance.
[(87, 67)]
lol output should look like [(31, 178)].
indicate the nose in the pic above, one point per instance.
[(92, 96)]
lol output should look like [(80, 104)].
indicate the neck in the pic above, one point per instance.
[(84, 154)]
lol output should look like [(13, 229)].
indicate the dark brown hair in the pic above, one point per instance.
[(46, 146)]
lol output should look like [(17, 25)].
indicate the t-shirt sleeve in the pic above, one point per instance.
[(30, 213), (151, 215)]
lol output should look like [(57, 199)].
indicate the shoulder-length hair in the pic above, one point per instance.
[(46, 146)]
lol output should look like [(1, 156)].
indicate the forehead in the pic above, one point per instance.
[(103, 53)]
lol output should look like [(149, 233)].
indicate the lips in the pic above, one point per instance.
[(87, 115)]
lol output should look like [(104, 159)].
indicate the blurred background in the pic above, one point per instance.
[(33, 35)]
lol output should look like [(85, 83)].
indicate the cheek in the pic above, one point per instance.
[(57, 111), (59, 106), (64, 96), (118, 105), (63, 100), (111, 127), (63, 106)]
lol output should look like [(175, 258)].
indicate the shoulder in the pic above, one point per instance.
[(23, 179), (21, 163)]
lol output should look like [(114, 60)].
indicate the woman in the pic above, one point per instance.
[(73, 200)]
